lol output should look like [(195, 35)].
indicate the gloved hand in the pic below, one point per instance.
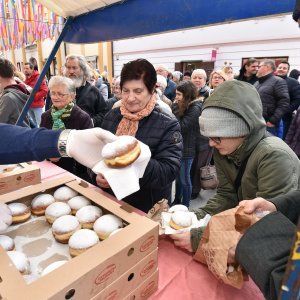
[(85, 145), (5, 217)]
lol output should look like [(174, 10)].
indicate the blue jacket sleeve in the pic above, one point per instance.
[(19, 144)]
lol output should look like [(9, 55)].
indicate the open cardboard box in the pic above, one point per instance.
[(17, 179), (145, 289), (132, 278), (86, 275)]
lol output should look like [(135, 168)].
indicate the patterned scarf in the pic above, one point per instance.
[(58, 115), (130, 121)]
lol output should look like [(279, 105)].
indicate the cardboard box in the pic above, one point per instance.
[(88, 274), (17, 179), (145, 289), (132, 278)]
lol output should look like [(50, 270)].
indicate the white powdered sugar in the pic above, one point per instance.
[(64, 193), (182, 218), (107, 224), (78, 202), (58, 209), (83, 238), (113, 149), (89, 213), (6, 242), (20, 261), (65, 224), (178, 207), (17, 208), (42, 200)]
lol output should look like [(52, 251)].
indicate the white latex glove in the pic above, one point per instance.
[(85, 145), (5, 217)]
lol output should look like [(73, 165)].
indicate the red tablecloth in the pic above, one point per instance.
[(180, 277)]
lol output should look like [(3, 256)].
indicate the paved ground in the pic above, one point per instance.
[(204, 195)]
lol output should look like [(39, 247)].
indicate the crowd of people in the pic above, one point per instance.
[(250, 121)]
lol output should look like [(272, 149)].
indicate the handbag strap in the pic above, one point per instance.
[(209, 157)]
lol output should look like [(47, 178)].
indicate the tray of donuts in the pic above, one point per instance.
[(178, 219), (63, 231), (17, 176)]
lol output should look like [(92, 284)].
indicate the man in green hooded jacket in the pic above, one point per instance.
[(250, 163)]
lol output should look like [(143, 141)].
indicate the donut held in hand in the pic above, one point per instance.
[(122, 152)]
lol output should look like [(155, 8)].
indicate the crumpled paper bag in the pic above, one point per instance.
[(223, 232), (125, 181)]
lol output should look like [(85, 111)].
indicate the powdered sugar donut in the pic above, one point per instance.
[(115, 231), (64, 194), (106, 224), (180, 219), (87, 215), (78, 202), (20, 212), (82, 240), (20, 261), (56, 210), (53, 266), (64, 227), (121, 152), (7, 243), (40, 203), (178, 207)]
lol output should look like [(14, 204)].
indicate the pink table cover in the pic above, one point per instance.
[(181, 277)]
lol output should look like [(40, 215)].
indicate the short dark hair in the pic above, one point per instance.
[(6, 68), (139, 69), (187, 73), (286, 63), (31, 66)]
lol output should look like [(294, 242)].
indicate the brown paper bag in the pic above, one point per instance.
[(223, 232)]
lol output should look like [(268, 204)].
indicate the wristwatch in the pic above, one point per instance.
[(62, 142)]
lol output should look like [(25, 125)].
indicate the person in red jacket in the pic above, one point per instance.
[(37, 106)]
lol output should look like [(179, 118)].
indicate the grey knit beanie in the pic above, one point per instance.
[(219, 122)]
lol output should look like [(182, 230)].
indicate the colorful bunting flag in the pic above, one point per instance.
[(22, 22)]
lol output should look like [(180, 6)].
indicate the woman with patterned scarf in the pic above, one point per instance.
[(139, 115), (64, 114)]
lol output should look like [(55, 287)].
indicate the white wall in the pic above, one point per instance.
[(276, 36)]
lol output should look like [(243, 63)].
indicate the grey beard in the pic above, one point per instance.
[(78, 81)]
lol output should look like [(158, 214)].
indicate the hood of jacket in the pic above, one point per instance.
[(243, 99)]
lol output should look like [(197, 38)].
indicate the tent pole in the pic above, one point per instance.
[(44, 71)]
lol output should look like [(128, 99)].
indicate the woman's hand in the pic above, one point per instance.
[(183, 240), (259, 204), (102, 182)]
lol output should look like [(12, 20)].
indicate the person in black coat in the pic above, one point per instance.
[(248, 71), (187, 110), (140, 116), (274, 95), (296, 12), (264, 249), (64, 114), (294, 93)]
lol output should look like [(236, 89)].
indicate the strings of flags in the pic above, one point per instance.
[(22, 22)]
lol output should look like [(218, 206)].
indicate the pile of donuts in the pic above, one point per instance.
[(75, 221)]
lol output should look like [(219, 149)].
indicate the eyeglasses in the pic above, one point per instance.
[(216, 140), (218, 77), (58, 95)]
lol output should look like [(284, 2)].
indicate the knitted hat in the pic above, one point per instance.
[(220, 122)]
